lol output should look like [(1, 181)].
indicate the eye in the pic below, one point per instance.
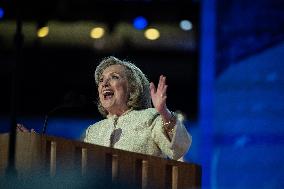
[(101, 80), (115, 77)]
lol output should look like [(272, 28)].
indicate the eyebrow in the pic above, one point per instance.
[(111, 73)]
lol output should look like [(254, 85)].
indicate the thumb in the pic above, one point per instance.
[(152, 88)]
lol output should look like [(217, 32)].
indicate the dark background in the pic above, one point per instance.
[(49, 69)]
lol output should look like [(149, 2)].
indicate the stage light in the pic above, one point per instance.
[(152, 34), (185, 25), (140, 23), (43, 32), (97, 32), (1, 12)]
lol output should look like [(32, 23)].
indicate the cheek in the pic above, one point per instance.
[(125, 92), (99, 91), (122, 90)]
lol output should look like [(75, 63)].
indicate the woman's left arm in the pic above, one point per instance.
[(174, 140)]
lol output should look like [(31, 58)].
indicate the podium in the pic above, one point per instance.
[(45, 161)]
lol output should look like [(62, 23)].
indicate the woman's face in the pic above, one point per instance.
[(113, 89)]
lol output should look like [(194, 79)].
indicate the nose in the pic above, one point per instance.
[(106, 82)]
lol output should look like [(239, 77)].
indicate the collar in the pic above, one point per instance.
[(116, 116)]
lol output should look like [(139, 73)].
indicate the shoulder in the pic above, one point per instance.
[(148, 115), (96, 125), (93, 132), (149, 112)]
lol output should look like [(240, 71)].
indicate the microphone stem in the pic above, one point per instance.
[(45, 124)]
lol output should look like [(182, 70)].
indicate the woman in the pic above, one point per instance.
[(131, 124)]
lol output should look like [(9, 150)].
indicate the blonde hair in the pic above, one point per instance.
[(139, 97)]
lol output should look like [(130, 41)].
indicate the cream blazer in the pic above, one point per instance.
[(140, 131)]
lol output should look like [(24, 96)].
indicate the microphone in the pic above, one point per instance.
[(44, 124), (49, 113), (71, 100)]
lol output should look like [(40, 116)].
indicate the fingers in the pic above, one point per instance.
[(162, 85), (161, 88), (162, 82), (33, 131), (164, 91), (152, 89), (18, 129), (22, 128)]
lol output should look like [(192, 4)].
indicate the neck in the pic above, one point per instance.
[(118, 112)]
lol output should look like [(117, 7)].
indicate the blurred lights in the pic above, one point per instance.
[(152, 34), (97, 32), (140, 23), (185, 25), (43, 32), (1, 12)]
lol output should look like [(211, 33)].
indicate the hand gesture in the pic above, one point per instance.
[(159, 95), (22, 128)]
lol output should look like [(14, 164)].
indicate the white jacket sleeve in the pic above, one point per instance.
[(176, 146)]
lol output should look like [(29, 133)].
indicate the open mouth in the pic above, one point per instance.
[(108, 94)]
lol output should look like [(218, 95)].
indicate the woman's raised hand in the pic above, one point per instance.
[(159, 95)]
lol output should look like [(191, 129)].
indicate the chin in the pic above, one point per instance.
[(107, 106)]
